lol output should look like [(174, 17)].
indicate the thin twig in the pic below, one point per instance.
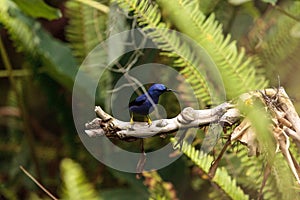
[(99, 6), (215, 163), (15, 72), (121, 87), (287, 13), (37, 183)]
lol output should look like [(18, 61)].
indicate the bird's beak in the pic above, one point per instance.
[(170, 90)]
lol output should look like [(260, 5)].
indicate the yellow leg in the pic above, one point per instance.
[(149, 120), (131, 119)]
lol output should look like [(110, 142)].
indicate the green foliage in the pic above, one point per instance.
[(38, 8), (253, 109), (222, 178), (277, 43), (285, 181), (251, 175), (123, 193), (273, 2), (158, 189), (237, 71), (132, 184), (281, 175), (75, 183), (207, 6), (238, 2), (149, 18), (44, 69), (30, 38), (83, 17)]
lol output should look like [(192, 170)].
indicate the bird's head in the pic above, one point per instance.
[(158, 89)]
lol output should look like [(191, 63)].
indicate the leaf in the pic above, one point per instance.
[(277, 44), (117, 24), (273, 2), (222, 178), (207, 6), (61, 63), (173, 45), (295, 31), (38, 8), (84, 17), (30, 38), (238, 71), (237, 2), (75, 183)]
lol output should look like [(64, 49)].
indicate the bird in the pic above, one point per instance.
[(143, 106)]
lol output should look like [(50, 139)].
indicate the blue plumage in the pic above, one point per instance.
[(142, 105)]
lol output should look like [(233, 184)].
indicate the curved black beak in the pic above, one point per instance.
[(170, 90)]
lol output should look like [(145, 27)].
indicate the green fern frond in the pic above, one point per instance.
[(285, 181), (207, 6), (75, 183), (222, 179), (282, 179), (251, 175), (274, 42), (149, 18), (295, 151), (224, 12), (270, 190), (16, 27), (237, 70), (30, 38), (85, 29), (280, 183)]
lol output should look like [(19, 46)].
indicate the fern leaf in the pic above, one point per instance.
[(226, 183), (206, 6), (251, 175), (30, 38), (208, 34), (149, 18), (38, 9), (280, 183), (284, 179), (75, 184), (86, 28), (15, 26), (274, 43)]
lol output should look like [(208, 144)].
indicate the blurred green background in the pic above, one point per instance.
[(42, 46)]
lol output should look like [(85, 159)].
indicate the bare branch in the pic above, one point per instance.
[(38, 183), (188, 118), (285, 124)]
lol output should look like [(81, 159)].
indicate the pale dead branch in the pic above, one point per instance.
[(285, 123)]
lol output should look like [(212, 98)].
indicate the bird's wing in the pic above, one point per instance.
[(138, 101)]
